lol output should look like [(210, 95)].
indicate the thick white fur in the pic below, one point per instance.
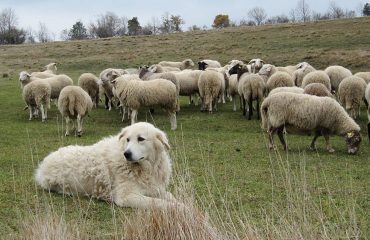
[(101, 170)]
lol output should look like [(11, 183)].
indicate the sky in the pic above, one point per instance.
[(62, 14)]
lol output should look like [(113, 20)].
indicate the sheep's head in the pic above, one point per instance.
[(239, 69), (24, 76), (257, 63), (188, 63), (51, 67), (110, 76), (353, 140), (266, 70), (202, 65), (153, 68)]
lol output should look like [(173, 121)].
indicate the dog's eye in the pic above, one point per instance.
[(128, 139), (140, 139)]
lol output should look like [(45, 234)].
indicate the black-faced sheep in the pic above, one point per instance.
[(207, 63), (306, 114), (74, 103)]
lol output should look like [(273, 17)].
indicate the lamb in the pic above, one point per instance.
[(106, 76), (317, 77), (351, 92), (36, 94), (74, 103), (293, 89), (188, 83), (89, 83), (256, 64), (306, 113), (279, 79), (156, 68), (135, 93), (251, 87), (186, 64), (206, 63), (364, 75), (317, 89), (303, 69), (336, 75), (50, 71), (57, 82), (210, 86)]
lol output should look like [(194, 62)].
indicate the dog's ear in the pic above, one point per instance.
[(163, 139), (122, 133)]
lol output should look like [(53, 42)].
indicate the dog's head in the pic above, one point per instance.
[(142, 141)]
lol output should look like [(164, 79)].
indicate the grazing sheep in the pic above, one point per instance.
[(364, 75), (336, 75), (303, 69), (57, 82), (317, 89), (186, 64), (256, 64), (106, 76), (279, 79), (74, 103), (210, 88), (36, 94), (306, 114), (351, 92), (317, 77), (89, 83), (293, 89), (188, 83), (206, 63), (50, 71), (156, 68), (135, 93)]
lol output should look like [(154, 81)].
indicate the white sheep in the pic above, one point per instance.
[(266, 71), (188, 83), (206, 63), (50, 71), (367, 97), (156, 68), (293, 89), (351, 91), (225, 81), (57, 82), (279, 79), (36, 94), (186, 64), (74, 103), (210, 86), (106, 76), (135, 93), (233, 89), (306, 114), (303, 69), (89, 83), (317, 89), (256, 64), (317, 77), (336, 75), (364, 75)]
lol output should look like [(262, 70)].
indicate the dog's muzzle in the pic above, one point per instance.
[(128, 155)]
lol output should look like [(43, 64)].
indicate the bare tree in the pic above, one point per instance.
[(258, 15), (302, 11), (335, 11), (43, 34), (155, 23), (107, 25)]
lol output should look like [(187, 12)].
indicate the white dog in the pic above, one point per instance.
[(132, 169)]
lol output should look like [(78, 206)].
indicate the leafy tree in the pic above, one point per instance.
[(221, 21), (133, 26), (258, 15), (366, 10), (77, 32), (176, 22)]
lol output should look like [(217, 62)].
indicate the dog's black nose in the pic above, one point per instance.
[(128, 155)]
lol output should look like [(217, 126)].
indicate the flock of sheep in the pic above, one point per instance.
[(292, 98)]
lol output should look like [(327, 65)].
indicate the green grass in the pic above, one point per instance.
[(226, 154)]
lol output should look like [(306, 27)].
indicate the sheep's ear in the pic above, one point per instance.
[(199, 63), (252, 61), (113, 81), (262, 61), (161, 136)]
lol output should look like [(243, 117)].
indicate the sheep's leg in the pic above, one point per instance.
[(123, 113), (243, 107), (210, 105), (258, 108), (68, 123), (280, 133), (250, 107), (215, 105), (327, 143), (271, 133), (79, 125), (313, 143), (110, 104), (43, 118), (133, 116), (173, 120), (234, 104), (368, 130), (106, 101), (31, 112)]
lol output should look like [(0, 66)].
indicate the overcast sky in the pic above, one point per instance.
[(62, 14)]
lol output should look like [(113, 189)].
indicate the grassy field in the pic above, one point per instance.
[(226, 155)]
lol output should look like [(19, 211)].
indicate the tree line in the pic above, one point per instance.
[(111, 25)]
